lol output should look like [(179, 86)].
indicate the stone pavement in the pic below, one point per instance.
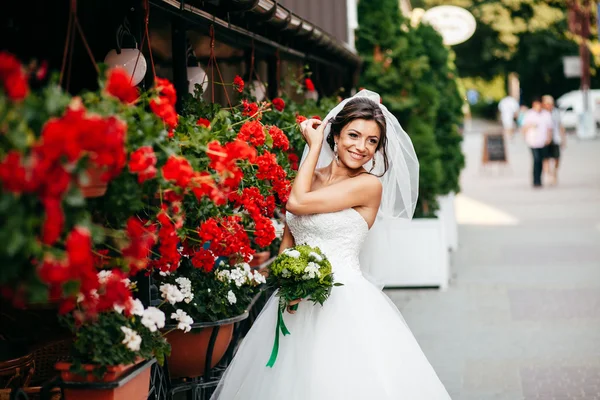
[(521, 318)]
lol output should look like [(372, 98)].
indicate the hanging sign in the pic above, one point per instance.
[(572, 66), (455, 24)]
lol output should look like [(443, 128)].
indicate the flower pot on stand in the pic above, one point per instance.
[(193, 353), (96, 186), (119, 382)]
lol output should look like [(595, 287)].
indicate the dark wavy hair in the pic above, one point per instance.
[(361, 108)]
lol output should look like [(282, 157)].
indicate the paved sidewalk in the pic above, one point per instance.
[(521, 319)]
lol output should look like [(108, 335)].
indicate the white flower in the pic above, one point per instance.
[(171, 293), (153, 319), (315, 256), (162, 273), (258, 277), (224, 275), (80, 297), (231, 297), (292, 253), (103, 276), (185, 285), (208, 292), (311, 271), (128, 283), (137, 308), (286, 273), (118, 308), (132, 339), (184, 321)]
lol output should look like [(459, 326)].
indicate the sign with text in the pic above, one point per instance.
[(572, 66), (494, 148), (455, 24)]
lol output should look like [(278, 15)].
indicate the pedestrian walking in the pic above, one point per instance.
[(538, 128), (508, 108), (559, 139)]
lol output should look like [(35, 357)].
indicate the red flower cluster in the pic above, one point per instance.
[(278, 103), (253, 132), (203, 122), (119, 85), (310, 86), (294, 161), (143, 163), (250, 109), (280, 140), (178, 169), (69, 138), (316, 117), (164, 105), (259, 208), (204, 185), (268, 169), (226, 236), (203, 259), (223, 160), (12, 77), (300, 119), (141, 240), (238, 83), (169, 241)]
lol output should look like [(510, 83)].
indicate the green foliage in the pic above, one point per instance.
[(412, 71)]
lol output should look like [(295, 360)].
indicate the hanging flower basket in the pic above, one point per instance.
[(201, 349), (119, 382)]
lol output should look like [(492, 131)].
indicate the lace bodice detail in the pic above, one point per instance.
[(339, 235)]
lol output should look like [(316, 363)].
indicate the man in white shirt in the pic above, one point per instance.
[(538, 129), (508, 108), (552, 151)]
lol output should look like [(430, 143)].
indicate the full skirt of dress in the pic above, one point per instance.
[(355, 346)]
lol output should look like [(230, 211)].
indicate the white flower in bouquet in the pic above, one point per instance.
[(185, 286), (315, 256), (171, 293), (153, 319), (311, 271), (184, 321), (292, 253), (286, 273), (231, 297), (132, 340)]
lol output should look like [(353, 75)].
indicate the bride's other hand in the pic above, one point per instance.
[(312, 130), (291, 304)]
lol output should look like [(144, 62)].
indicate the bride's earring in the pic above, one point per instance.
[(373, 165), (335, 154)]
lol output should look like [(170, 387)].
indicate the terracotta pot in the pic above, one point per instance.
[(95, 187), (260, 258), (188, 350), (135, 388)]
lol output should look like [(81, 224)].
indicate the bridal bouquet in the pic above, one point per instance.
[(300, 272)]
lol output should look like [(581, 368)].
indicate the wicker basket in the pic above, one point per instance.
[(33, 393), (46, 356), (17, 372)]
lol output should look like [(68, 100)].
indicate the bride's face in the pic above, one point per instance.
[(357, 143)]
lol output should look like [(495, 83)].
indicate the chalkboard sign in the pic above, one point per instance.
[(494, 148)]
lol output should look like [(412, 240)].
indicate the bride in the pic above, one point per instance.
[(359, 165)]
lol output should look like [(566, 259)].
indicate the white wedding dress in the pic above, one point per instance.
[(355, 346)]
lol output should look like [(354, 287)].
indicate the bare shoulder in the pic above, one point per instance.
[(368, 183)]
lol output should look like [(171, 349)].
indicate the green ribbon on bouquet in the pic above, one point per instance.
[(279, 326)]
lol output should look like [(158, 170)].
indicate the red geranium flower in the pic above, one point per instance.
[(178, 169), (143, 162), (13, 77), (253, 132), (238, 83), (300, 119), (203, 122), (167, 90), (250, 109), (203, 259), (119, 85), (278, 103), (310, 86), (280, 140)]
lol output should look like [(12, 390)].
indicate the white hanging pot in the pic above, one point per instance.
[(196, 75), (127, 60)]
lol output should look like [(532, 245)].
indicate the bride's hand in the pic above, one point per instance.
[(312, 130), (290, 308)]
